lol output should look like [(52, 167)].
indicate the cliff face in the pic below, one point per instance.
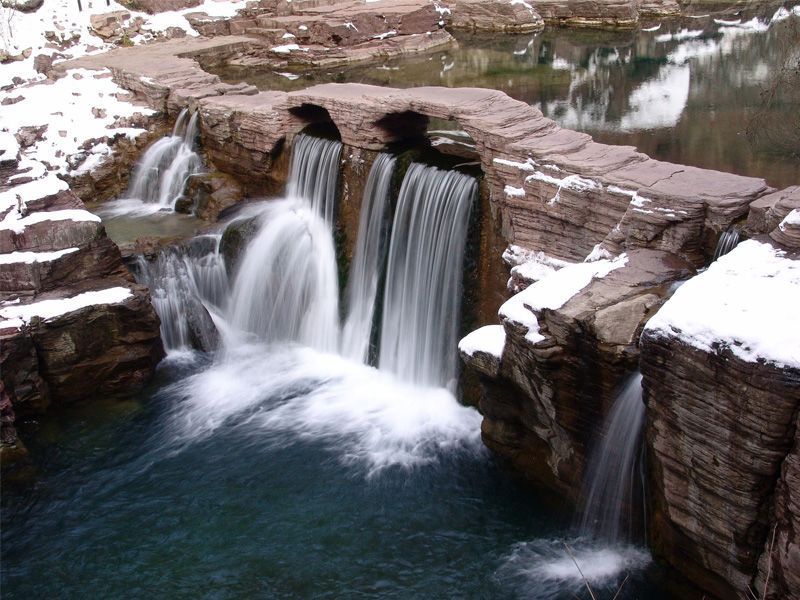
[(779, 565), (73, 323), (570, 339), (722, 387)]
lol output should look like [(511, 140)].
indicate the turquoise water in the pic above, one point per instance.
[(286, 475)]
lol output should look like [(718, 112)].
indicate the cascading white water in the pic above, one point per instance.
[(186, 287), (368, 259), (286, 287), (424, 272), (612, 478), (728, 240), (161, 174), (314, 174)]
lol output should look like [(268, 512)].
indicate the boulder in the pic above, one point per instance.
[(26, 6), (211, 193), (476, 15), (109, 26)]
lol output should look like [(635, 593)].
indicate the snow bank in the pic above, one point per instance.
[(490, 339), (34, 257), (18, 314), (553, 292), (79, 107), (18, 225), (746, 301)]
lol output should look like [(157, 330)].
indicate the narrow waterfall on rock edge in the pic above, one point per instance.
[(314, 174), (368, 260), (613, 481), (424, 273), (160, 176), (188, 287), (728, 240)]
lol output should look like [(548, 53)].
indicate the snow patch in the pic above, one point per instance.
[(49, 309), (34, 257), (553, 292), (514, 192), (746, 301), (490, 340)]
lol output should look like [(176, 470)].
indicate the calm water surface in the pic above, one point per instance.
[(683, 93)]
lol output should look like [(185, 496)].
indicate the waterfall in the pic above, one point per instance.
[(187, 286), (160, 176), (424, 271), (728, 240), (368, 260), (287, 288), (314, 174), (611, 482)]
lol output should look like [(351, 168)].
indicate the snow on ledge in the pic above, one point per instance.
[(19, 225), (553, 292), (34, 257), (490, 339), (746, 301), (18, 314)]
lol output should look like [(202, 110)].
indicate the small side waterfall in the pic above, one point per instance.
[(728, 240), (368, 259), (161, 174), (187, 286), (612, 481), (286, 287), (424, 272), (314, 174)]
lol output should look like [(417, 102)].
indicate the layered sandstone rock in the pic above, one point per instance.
[(570, 339), (722, 386), (475, 15), (779, 566), (73, 324)]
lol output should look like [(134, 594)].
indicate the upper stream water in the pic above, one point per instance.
[(684, 92)]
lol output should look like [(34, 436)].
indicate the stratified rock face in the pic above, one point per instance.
[(73, 324), (570, 339), (157, 6), (767, 212), (722, 385), (779, 566), (477, 15)]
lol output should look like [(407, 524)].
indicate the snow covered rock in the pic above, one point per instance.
[(721, 367), (570, 339)]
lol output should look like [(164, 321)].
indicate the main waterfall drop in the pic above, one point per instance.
[(424, 275), (160, 176), (368, 260), (286, 288)]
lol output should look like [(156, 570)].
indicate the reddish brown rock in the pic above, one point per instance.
[(550, 396), (211, 193), (476, 15), (779, 566), (719, 429), (157, 6)]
